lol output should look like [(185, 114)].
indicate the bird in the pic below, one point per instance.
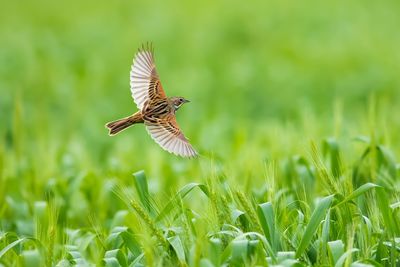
[(156, 110)]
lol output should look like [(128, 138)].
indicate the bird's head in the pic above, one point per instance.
[(178, 101)]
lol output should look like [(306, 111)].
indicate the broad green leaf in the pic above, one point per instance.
[(331, 147), (324, 237), (123, 236), (75, 255), (336, 249), (253, 246), (344, 256), (359, 191), (142, 189), (137, 260), (177, 245), (267, 219), (316, 218), (131, 243), (236, 214), (215, 251), (85, 241), (264, 241), (239, 250), (18, 242), (116, 254)]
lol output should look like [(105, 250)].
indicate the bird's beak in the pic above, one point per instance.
[(187, 101)]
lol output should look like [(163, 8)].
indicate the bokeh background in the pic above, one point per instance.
[(243, 66), (265, 79)]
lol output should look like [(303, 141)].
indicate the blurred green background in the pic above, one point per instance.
[(265, 78)]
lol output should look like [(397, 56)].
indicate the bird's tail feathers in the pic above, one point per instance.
[(117, 126)]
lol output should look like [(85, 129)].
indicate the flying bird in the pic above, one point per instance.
[(156, 110)]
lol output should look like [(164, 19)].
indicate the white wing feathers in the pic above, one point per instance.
[(171, 142), (142, 70)]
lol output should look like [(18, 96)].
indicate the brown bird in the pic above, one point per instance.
[(156, 110)]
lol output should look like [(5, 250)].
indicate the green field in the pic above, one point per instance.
[(295, 110)]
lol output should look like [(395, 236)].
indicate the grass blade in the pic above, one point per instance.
[(331, 147), (177, 245), (344, 256), (316, 218), (17, 242), (336, 249), (180, 195), (356, 193), (142, 189), (267, 219)]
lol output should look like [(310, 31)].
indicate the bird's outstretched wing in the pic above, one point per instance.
[(167, 134), (144, 80)]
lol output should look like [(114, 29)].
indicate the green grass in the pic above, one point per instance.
[(295, 111)]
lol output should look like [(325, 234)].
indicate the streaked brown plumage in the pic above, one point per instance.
[(156, 110)]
